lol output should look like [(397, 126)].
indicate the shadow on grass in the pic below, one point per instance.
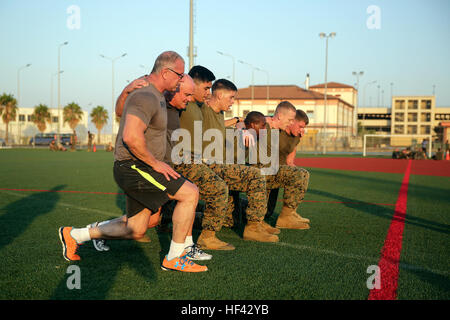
[(438, 194), (383, 212), (21, 213), (99, 269)]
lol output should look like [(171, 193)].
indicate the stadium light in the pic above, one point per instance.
[(323, 35), (59, 91), (232, 58), (113, 118)]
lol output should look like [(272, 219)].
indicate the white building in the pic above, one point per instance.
[(22, 128)]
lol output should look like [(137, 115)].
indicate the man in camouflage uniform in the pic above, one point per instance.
[(238, 177), (294, 180)]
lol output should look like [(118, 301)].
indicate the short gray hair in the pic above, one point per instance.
[(165, 59)]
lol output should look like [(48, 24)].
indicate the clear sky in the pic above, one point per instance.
[(410, 49)]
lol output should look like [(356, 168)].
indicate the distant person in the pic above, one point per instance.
[(109, 147), (439, 155), (396, 154), (420, 154), (90, 140), (53, 146), (60, 147), (424, 145)]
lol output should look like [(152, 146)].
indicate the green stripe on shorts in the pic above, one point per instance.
[(149, 178)]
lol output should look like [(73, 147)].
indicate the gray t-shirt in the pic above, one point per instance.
[(149, 105), (173, 123)]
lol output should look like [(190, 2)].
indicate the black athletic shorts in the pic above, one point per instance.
[(143, 186)]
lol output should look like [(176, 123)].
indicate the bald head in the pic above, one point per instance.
[(183, 93)]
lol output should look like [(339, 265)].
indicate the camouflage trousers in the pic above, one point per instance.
[(245, 179), (294, 181), (212, 189)]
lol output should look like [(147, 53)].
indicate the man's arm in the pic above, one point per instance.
[(233, 121), (290, 158), (135, 84), (133, 137)]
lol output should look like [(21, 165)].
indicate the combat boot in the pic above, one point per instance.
[(269, 228), (256, 232), (208, 241), (288, 219)]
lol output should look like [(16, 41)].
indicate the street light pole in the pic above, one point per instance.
[(18, 82), (253, 79), (228, 55), (59, 92), (51, 87), (323, 35), (113, 118), (355, 116), (267, 73)]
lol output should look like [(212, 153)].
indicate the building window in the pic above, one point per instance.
[(29, 118), (412, 117), (55, 119), (425, 129), (425, 104), (21, 117), (245, 113), (400, 104), (425, 117), (399, 129), (412, 129), (310, 114), (412, 104), (399, 116), (228, 114)]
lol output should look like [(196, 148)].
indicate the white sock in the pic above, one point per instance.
[(80, 234), (188, 242), (176, 249)]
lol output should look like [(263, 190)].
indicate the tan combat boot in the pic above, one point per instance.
[(288, 219), (208, 241), (269, 228), (256, 232)]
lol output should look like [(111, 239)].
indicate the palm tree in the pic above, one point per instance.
[(99, 117), (72, 114), (8, 110), (41, 115)]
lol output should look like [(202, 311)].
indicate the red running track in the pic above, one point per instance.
[(420, 167)]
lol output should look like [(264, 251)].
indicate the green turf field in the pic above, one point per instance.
[(329, 261)]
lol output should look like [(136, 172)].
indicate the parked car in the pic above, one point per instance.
[(44, 139)]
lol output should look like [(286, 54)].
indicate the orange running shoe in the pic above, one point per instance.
[(182, 264), (69, 244)]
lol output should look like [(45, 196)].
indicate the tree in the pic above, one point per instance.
[(41, 115), (8, 110), (99, 117), (72, 114)]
